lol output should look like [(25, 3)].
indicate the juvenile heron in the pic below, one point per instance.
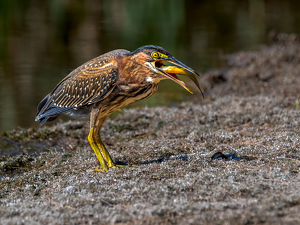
[(111, 81)]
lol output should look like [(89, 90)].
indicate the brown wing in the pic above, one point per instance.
[(87, 84)]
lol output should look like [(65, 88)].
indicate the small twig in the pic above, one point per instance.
[(159, 125), (108, 203), (70, 207), (231, 128), (184, 144), (54, 202), (265, 156), (48, 163), (146, 134), (249, 168), (20, 168), (140, 158), (59, 204), (253, 168), (281, 181), (293, 159)]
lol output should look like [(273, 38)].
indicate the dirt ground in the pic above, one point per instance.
[(174, 173)]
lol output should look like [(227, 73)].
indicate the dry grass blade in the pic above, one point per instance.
[(48, 163), (185, 145), (140, 158)]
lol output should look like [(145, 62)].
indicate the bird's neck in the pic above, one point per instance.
[(132, 71)]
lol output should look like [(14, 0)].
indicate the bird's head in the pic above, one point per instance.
[(162, 65)]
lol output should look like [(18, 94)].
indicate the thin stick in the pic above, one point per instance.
[(48, 163), (146, 134), (59, 204), (140, 158), (231, 128), (184, 144)]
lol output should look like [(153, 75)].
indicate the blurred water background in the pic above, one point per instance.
[(42, 41)]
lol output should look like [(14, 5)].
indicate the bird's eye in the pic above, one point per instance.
[(155, 55)]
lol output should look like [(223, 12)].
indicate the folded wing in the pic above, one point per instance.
[(87, 84)]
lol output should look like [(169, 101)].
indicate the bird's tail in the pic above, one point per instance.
[(47, 111)]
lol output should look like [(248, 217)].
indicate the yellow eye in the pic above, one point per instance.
[(155, 55)]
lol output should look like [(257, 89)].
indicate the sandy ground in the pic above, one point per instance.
[(250, 115)]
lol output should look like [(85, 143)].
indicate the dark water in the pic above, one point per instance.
[(42, 41)]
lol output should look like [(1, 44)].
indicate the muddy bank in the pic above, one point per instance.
[(250, 115)]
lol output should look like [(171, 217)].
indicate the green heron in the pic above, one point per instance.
[(111, 81)]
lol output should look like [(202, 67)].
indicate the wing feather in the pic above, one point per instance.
[(87, 84)]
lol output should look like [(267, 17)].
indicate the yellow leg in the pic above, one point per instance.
[(96, 150), (104, 151), (97, 144)]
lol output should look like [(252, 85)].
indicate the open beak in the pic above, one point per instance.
[(171, 67)]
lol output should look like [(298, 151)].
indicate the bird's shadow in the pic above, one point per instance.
[(148, 162), (217, 155)]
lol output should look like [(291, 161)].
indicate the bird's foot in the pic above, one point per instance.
[(100, 170), (118, 166)]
